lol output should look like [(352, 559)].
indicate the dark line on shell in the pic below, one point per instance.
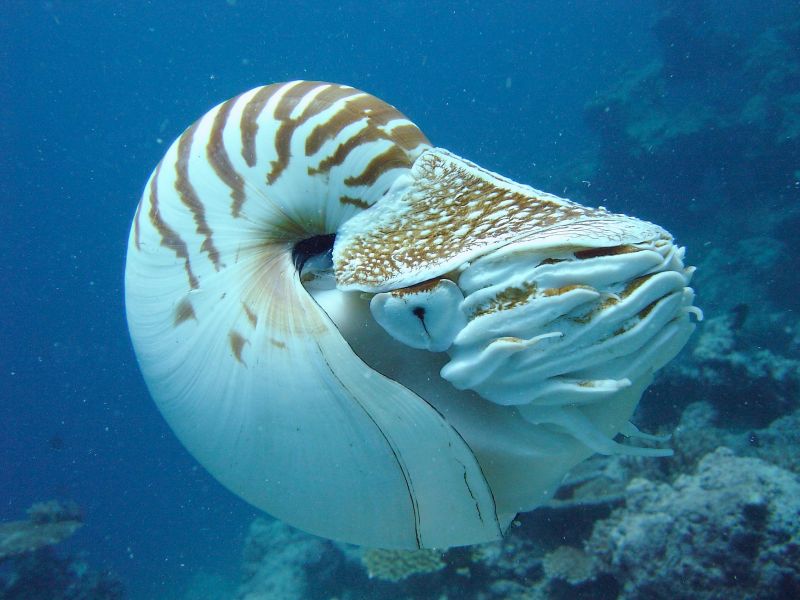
[(471, 495), (447, 424), (400, 464)]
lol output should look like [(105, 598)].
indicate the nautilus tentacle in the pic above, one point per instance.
[(376, 340)]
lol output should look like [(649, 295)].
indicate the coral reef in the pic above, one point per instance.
[(31, 570), (42, 575), (682, 122), (709, 133), (696, 435), (749, 383), (745, 357), (48, 523), (570, 564), (278, 559), (396, 565), (732, 271), (730, 530)]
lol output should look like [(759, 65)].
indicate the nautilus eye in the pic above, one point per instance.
[(378, 341)]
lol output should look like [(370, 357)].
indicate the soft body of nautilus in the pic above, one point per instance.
[(378, 341)]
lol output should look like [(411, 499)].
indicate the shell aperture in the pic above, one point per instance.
[(464, 343)]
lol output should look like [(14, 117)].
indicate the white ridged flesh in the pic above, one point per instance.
[(426, 317)]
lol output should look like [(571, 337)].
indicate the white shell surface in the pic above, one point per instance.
[(378, 454)]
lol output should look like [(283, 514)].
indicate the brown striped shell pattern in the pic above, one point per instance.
[(380, 342)]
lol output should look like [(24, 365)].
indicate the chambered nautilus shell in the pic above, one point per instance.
[(378, 341)]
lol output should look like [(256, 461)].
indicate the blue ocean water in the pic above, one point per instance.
[(93, 93)]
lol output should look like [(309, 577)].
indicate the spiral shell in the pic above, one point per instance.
[(376, 340)]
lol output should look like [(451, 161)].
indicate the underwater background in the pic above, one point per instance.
[(686, 113)]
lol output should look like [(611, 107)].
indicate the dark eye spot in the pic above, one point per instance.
[(313, 246)]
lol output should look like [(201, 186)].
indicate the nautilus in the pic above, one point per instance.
[(378, 341)]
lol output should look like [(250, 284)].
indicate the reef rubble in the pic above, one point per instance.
[(732, 529)]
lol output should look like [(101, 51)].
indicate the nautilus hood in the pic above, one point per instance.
[(445, 348)]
